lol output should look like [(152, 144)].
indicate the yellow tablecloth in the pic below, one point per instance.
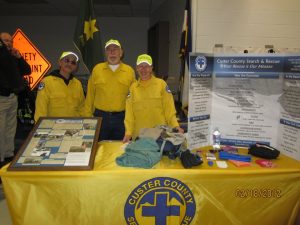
[(110, 194)]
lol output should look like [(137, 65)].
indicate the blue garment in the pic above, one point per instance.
[(143, 153), (169, 149), (112, 126)]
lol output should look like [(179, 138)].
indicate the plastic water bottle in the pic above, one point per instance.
[(216, 135)]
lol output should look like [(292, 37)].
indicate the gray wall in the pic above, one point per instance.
[(172, 11), (232, 23), (247, 23), (52, 35)]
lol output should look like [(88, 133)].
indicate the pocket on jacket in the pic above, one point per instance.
[(150, 103), (58, 100)]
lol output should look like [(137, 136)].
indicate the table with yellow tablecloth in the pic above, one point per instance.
[(167, 194)]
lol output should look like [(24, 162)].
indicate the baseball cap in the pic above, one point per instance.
[(64, 54), (112, 42), (144, 58)]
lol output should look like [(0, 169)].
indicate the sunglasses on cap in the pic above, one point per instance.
[(73, 62)]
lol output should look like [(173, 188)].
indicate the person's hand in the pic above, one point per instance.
[(180, 130), (16, 53), (127, 138)]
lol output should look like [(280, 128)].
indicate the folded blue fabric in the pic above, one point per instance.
[(225, 155), (143, 153), (168, 148)]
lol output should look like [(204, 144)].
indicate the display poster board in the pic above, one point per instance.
[(249, 97), (59, 144)]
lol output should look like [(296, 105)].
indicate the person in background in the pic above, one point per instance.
[(150, 102), (107, 89), (60, 94), (12, 69)]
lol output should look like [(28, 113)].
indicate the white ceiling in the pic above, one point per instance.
[(103, 8)]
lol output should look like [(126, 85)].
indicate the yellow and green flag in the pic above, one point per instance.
[(87, 35)]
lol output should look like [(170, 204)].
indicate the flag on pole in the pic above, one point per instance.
[(185, 49), (87, 35)]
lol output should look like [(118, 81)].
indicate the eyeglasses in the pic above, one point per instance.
[(73, 62)]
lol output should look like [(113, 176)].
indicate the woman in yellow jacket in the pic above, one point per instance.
[(150, 102), (60, 94)]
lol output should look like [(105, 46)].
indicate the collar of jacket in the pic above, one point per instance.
[(148, 82), (55, 73), (106, 67)]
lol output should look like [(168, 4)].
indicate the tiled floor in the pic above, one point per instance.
[(4, 214), (1, 193), (21, 134)]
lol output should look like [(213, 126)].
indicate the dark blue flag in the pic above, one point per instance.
[(87, 35)]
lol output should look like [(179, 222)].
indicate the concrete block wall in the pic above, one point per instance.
[(237, 23), (246, 23)]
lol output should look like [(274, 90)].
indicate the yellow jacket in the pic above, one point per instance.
[(56, 99), (107, 89), (149, 104)]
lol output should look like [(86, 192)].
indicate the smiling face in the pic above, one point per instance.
[(113, 54), (68, 65), (144, 70)]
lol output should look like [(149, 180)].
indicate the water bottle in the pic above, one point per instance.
[(216, 135)]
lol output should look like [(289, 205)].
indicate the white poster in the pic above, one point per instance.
[(245, 104), (250, 98), (200, 89), (289, 128)]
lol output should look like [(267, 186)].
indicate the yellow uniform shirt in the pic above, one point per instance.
[(56, 99), (149, 104), (107, 89)]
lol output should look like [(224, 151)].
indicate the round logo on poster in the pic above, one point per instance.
[(200, 63), (160, 201)]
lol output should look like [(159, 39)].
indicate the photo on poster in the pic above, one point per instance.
[(72, 132), (77, 149), (43, 151), (32, 161), (89, 126)]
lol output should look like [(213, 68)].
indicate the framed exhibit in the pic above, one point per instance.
[(59, 144)]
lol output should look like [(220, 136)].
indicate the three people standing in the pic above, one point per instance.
[(149, 102)]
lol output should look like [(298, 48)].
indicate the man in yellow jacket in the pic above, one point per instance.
[(150, 102), (60, 94), (108, 87)]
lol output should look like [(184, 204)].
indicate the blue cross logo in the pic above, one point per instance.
[(200, 63), (160, 201), (161, 210)]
